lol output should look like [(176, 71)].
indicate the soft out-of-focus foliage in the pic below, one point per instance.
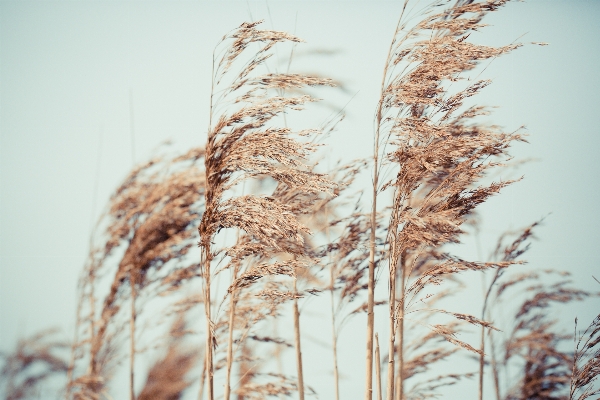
[(32, 365)]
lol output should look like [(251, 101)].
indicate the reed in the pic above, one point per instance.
[(508, 253), (284, 231), (534, 344), (243, 145), (586, 362), (151, 216), (439, 155)]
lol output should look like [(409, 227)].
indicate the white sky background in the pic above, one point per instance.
[(67, 68)]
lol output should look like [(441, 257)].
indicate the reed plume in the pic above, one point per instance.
[(586, 362), (440, 154), (507, 253), (152, 215), (534, 343), (242, 145)]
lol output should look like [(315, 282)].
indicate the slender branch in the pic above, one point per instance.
[(378, 367), (495, 370), (132, 319), (400, 328), (376, 170), (233, 301), (334, 341), (209, 333), (202, 379), (482, 345), (392, 337), (297, 344)]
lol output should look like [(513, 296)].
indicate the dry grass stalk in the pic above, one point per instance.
[(334, 340), (132, 348), (232, 305), (298, 346), (378, 367)]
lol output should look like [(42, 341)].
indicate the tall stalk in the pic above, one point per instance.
[(332, 277), (209, 369), (202, 379), (132, 318), (392, 338), (336, 378), (372, 239), (371, 285), (400, 330), (482, 341), (495, 371), (378, 368), (92, 314), (297, 345), (481, 362), (232, 304)]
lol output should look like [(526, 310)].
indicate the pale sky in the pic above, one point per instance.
[(67, 70)]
